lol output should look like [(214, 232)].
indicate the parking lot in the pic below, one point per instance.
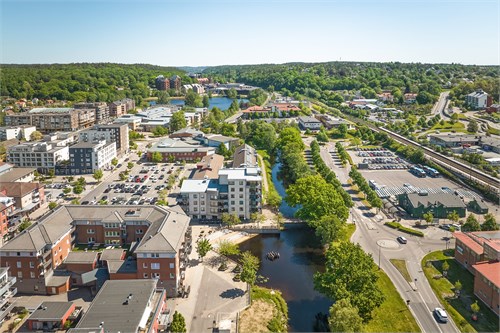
[(379, 159)]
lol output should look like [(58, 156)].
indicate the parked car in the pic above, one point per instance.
[(402, 240), (441, 315), (85, 202)]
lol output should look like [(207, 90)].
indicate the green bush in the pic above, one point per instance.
[(398, 226)]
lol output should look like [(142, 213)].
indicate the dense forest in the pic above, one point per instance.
[(77, 82), (329, 82)]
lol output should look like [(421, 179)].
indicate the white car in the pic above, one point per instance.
[(441, 315)]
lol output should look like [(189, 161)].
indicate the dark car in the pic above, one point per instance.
[(402, 240), (85, 202), (104, 197)]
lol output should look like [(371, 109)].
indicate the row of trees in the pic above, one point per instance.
[(472, 224), (291, 149), (343, 155), (371, 195)]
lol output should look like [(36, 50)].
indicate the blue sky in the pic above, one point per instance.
[(217, 32)]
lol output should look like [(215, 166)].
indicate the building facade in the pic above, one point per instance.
[(177, 150), (310, 123), (440, 205), (22, 132), (117, 133), (478, 99), (43, 156), (121, 107), (88, 157), (101, 110), (162, 83), (47, 120)]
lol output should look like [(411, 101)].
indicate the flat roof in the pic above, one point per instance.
[(112, 254), (120, 306), (51, 311), (78, 257)]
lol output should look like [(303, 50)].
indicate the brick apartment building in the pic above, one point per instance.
[(162, 83), (479, 252), (101, 110), (159, 236), (121, 107)]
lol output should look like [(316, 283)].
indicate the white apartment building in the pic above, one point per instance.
[(88, 157), (41, 155), (22, 132), (477, 99)]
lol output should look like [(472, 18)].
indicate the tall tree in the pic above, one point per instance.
[(350, 273), (490, 223), (330, 229), (178, 121), (344, 317), (36, 135), (249, 267), (156, 157), (472, 126), (471, 224), (98, 174), (178, 324), (202, 247)]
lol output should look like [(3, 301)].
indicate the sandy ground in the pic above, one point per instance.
[(255, 318)]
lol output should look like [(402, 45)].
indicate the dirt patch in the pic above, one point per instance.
[(255, 318)]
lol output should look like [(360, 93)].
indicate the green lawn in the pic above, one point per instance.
[(393, 315), (401, 267), (449, 126), (457, 308)]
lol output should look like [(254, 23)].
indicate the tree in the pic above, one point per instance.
[(25, 224), (98, 174), (178, 324), (330, 229), (458, 288), (130, 165), (428, 217), (192, 99), (273, 199), (316, 199), (67, 190), (122, 176), (206, 101), (231, 93), (230, 219), (350, 274), (52, 205), (249, 267), (51, 173), (81, 181), (471, 224), (227, 248), (472, 126), (78, 189), (156, 157), (177, 121), (453, 216), (445, 267), (36, 135), (202, 247), (114, 162), (344, 317), (490, 223)]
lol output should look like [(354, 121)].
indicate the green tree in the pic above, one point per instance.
[(67, 190), (475, 308), (98, 174), (206, 101), (350, 273), (342, 129), (231, 93), (273, 199), (178, 121), (428, 217), (472, 126), (122, 176), (130, 165), (330, 229), (25, 224), (227, 248), (178, 324), (78, 189), (249, 267), (51, 173), (114, 162), (202, 247), (471, 224), (445, 267), (344, 317), (490, 223), (52, 205), (316, 199), (81, 181), (457, 288), (230, 219), (156, 157), (453, 216), (35, 136)]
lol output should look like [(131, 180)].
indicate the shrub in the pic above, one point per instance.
[(400, 227)]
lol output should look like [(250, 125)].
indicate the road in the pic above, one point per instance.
[(371, 234), (440, 105)]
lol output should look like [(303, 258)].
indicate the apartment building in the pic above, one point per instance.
[(117, 133), (162, 83), (7, 207), (121, 107), (478, 99), (175, 82), (101, 110), (88, 157), (27, 197), (7, 292), (132, 306), (48, 120), (43, 156), (22, 132), (22, 175)]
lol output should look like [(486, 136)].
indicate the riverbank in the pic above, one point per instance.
[(267, 313)]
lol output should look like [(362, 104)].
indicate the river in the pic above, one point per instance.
[(292, 274), (222, 103)]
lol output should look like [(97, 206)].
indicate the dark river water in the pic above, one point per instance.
[(300, 257)]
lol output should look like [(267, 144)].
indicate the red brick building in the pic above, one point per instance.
[(6, 211), (487, 284), (50, 316)]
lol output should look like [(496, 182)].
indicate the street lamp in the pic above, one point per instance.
[(379, 247)]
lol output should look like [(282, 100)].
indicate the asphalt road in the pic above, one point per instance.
[(370, 232), (440, 105)]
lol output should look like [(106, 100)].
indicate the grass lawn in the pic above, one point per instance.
[(401, 267), (268, 312), (393, 315), (449, 126), (457, 307), (493, 130)]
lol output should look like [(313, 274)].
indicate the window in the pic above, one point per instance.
[(195, 202), (19, 264), (241, 202), (241, 182), (155, 265), (145, 275), (171, 265), (172, 275), (20, 275), (139, 231), (90, 231), (155, 275), (155, 255), (144, 265), (232, 202), (232, 196), (241, 209), (202, 202), (241, 196), (32, 264), (32, 275), (241, 189)]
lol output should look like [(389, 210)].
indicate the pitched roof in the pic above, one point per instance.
[(445, 199), (474, 244), (18, 189), (245, 156), (209, 167), (15, 174), (490, 270)]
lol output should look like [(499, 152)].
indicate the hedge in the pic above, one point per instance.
[(400, 227)]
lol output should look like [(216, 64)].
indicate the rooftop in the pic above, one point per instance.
[(490, 270), (51, 110), (121, 306), (175, 145), (112, 254), (307, 119), (15, 174), (209, 167), (80, 257), (445, 199), (245, 156), (51, 311), (455, 137), (18, 189)]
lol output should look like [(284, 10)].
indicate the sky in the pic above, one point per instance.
[(230, 32)]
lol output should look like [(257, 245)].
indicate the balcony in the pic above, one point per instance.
[(6, 285)]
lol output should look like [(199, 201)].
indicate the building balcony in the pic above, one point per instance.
[(11, 280)]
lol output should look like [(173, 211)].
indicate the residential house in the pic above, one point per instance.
[(162, 83), (28, 197), (50, 316), (43, 156), (175, 82), (101, 110), (7, 207), (121, 107), (494, 108), (22, 175), (410, 98)]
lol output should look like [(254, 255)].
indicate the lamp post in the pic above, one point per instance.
[(379, 247)]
